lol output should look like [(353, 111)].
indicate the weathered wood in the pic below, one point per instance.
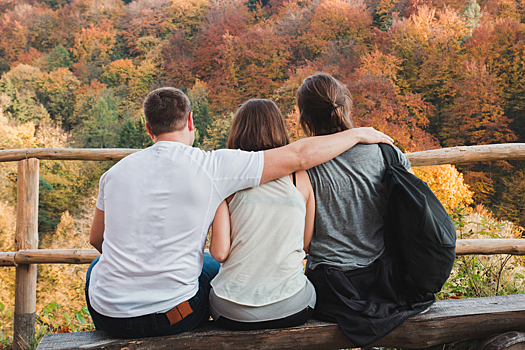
[(506, 341), (95, 154), (490, 246), (86, 256), (468, 154), (7, 259), (453, 155), (26, 237), (56, 256), (445, 322)]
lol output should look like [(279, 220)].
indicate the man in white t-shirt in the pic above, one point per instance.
[(153, 213)]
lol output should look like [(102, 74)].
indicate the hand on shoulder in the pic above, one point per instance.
[(370, 135)]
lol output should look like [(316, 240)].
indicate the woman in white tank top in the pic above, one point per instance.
[(261, 235)]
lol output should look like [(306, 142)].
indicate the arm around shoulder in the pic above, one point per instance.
[(311, 151)]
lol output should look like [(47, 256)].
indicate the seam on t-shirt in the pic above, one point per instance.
[(203, 227), (240, 178)]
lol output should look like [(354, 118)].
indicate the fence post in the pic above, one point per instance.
[(26, 237)]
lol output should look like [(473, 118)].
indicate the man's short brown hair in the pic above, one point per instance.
[(166, 110)]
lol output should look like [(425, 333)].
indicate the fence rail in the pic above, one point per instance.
[(452, 155), (26, 237), (86, 256)]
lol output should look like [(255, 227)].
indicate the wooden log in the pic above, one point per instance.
[(468, 154), (446, 321), (86, 256), (26, 237), (94, 154), (56, 256), (453, 155), (7, 259), (506, 341), (490, 246)]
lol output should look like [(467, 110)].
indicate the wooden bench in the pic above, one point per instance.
[(447, 321)]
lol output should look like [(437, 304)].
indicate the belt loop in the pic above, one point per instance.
[(153, 321)]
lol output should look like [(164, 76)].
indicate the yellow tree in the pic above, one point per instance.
[(187, 15), (447, 184)]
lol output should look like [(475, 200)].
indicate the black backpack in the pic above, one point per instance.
[(419, 234)]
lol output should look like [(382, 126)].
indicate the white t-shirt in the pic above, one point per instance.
[(265, 264), (158, 205)]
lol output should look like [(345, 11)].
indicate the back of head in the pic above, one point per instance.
[(166, 110), (325, 105), (257, 125)]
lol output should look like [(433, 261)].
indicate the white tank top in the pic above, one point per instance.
[(265, 264)]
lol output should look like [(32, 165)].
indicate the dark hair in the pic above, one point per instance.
[(166, 110), (257, 125), (325, 105)]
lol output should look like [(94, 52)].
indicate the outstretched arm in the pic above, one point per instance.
[(311, 151)]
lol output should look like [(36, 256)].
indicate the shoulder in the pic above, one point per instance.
[(303, 180), (402, 158)]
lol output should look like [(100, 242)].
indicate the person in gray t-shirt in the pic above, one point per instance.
[(352, 273), (351, 205)]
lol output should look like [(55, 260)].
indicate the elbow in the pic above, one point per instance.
[(220, 256), (301, 159), (96, 243)]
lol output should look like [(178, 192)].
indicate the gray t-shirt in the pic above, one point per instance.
[(350, 208)]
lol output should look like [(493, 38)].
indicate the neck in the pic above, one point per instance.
[(182, 136)]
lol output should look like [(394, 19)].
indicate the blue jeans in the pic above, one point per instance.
[(157, 324)]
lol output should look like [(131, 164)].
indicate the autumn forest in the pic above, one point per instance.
[(430, 73)]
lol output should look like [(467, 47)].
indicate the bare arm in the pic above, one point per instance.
[(220, 234), (309, 152), (305, 187), (96, 235)]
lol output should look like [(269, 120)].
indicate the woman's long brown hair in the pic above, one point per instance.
[(325, 105), (257, 125)]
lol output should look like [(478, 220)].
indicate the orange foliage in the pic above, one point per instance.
[(295, 132), (476, 116), (144, 18), (95, 42), (178, 60), (337, 19), (27, 57), (120, 72), (379, 64), (447, 184), (482, 186), (403, 117)]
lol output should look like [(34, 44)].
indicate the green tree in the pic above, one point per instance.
[(59, 58), (56, 91), (473, 14), (218, 133), (134, 135), (20, 100), (198, 96), (100, 128)]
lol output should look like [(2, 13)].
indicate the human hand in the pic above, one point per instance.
[(370, 135)]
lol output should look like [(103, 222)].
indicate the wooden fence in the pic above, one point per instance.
[(27, 254)]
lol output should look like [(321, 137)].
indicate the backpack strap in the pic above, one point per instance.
[(294, 179), (389, 154), (403, 280)]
